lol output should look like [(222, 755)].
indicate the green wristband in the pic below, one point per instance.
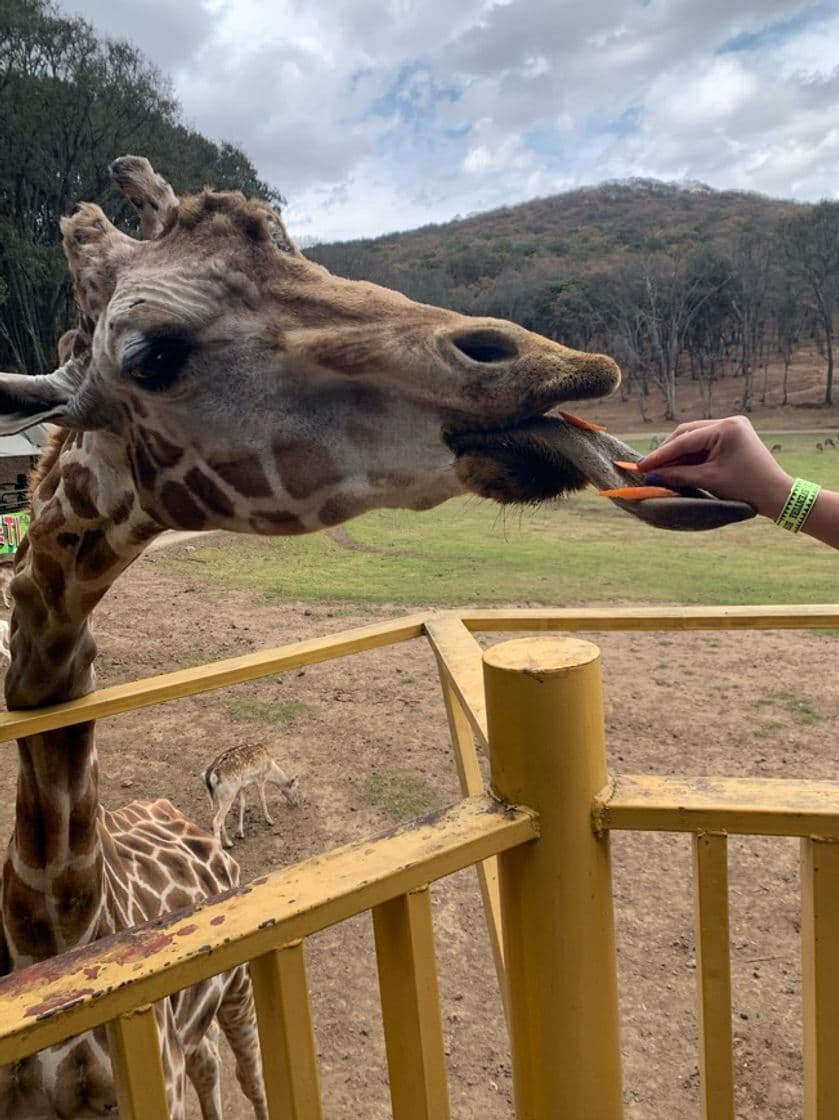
[(799, 504)]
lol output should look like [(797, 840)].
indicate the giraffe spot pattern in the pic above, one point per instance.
[(25, 911), (95, 555), (305, 468), (80, 490), (179, 505), (164, 453), (75, 896), (50, 576), (207, 492), (89, 599), (123, 508), (340, 508), (81, 1083), (144, 470), (245, 476)]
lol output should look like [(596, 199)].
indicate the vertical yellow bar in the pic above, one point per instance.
[(820, 976), (411, 1007), (471, 783), (547, 751), (713, 975), (286, 1034), (134, 1047)]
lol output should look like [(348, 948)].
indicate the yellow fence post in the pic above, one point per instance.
[(820, 975), (134, 1048), (713, 975), (411, 1007), (286, 1035), (547, 751)]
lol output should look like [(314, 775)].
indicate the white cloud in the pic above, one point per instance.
[(373, 115)]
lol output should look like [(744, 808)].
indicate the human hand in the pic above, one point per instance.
[(726, 457)]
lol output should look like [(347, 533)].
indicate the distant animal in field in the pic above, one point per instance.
[(237, 769), (654, 442), (819, 447), (775, 447), (829, 443)]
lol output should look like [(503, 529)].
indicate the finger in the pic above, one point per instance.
[(688, 426), (691, 443), (684, 476)]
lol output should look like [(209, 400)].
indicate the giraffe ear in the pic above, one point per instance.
[(53, 398)]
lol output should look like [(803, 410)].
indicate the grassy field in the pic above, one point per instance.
[(580, 550)]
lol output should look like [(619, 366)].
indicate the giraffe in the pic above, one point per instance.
[(218, 379)]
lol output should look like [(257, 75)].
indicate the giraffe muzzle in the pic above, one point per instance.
[(549, 457)]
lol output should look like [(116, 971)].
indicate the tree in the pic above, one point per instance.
[(716, 296), (810, 241), (753, 258)]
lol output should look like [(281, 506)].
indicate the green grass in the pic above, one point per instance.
[(800, 710), (470, 552), (250, 709), (401, 794)]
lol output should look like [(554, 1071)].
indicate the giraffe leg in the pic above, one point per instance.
[(203, 1068), (238, 1021), (267, 815)]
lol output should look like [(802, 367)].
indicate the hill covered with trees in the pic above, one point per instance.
[(676, 281)]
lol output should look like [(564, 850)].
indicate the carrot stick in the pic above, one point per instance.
[(639, 493), (627, 466), (578, 422)]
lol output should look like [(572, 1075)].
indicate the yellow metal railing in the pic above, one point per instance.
[(545, 876)]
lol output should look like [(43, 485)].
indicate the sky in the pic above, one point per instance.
[(372, 116)]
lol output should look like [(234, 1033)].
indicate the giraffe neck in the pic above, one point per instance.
[(85, 530)]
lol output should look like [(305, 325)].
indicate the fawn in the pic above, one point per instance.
[(232, 772)]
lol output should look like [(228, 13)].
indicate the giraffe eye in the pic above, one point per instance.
[(160, 361)]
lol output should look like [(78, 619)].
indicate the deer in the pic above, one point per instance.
[(235, 770)]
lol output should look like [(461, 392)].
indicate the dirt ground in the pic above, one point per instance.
[(368, 738), (364, 731)]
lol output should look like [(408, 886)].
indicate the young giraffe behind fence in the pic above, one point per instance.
[(235, 770)]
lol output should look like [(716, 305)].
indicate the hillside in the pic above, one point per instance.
[(589, 228)]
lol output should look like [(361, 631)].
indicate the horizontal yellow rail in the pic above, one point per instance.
[(103, 980), (745, 806), (788, 617), (460, 660)]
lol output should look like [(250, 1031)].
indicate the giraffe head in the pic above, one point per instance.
[(256, 392)]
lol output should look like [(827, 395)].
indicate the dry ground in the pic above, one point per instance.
[(368, 729), (368, 738)]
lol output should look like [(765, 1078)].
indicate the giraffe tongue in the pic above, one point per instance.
[(594, 452)]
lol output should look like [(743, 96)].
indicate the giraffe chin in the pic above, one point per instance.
[(547, 458)]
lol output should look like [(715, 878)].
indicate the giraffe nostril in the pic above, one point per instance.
[(486, 345)]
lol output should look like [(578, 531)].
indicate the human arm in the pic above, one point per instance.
[(728, 458)]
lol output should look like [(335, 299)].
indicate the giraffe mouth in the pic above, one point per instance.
[(548, 457)]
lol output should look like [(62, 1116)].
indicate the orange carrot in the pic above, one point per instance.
[(627, 466), (578, 422), (639, 493)]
